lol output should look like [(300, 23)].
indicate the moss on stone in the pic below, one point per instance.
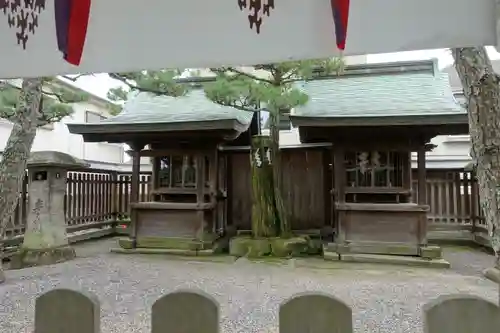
[(315, 246), (298, 246), (249, 247), (238, 246), (431, 252), (221, 245), (290, 247), (126, 243), (245, 246), (259, 247)]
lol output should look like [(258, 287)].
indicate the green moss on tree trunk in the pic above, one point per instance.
[(264, 222), (285, 229)]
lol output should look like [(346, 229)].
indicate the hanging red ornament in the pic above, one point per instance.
[(340, 11), (72, 18)]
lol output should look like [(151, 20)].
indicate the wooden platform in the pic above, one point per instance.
[(396, 229)]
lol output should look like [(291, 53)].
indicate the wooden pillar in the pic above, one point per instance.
[(134, 187), (200, 190), (136, 169), (339, 198), (422, 193), (328, 186), (407, 177), (154, 176), (213, 179), (422, 181), (339, 174)]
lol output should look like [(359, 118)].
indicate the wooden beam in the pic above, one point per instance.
[(173, 151)]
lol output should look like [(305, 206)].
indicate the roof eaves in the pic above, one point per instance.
[(100, 128), (398, 120)]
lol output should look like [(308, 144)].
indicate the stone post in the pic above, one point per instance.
[(45, 239)]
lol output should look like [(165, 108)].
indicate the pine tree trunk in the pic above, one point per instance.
[(482, 90), (282, 215), (17, 150), (263, 208)]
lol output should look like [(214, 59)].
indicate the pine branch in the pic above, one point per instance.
[(243, 105), (124, 80), (233, 70), (153, 82), (56, 96), (56, 103), (76, 77)]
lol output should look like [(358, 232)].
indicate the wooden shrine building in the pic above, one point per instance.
[(352, 172), (375, 118), (181, 137)]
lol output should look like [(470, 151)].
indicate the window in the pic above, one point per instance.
[(179, 171), (375, 169), (93, 117)]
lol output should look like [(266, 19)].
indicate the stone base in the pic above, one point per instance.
[(431, 252), (171, 245), (492, 274), (245, 246), (425, 252), (386, 259), (173, 254), (174, 243), (39, 257)]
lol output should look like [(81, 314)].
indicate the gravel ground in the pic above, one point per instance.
[(384, 298)]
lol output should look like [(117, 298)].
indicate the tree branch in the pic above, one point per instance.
[(52, 94), (243, 105), (241, 73), (76, 77), (125, 80)]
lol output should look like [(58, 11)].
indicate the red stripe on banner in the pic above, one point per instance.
[(340, 10), (77, 30)]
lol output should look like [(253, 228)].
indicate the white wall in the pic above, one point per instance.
[(57, 137), (452, 151)]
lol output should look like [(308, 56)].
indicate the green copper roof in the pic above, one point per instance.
[(377, 92), (193, 107)]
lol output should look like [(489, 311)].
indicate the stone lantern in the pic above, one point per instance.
[(45, 239)]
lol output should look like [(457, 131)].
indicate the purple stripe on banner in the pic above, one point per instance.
[(339, 28), (62, 11)]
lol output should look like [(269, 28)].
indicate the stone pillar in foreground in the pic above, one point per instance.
[(45, 239)]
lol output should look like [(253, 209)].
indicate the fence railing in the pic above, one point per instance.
[(69, 311), (99, 197), (93, 198)]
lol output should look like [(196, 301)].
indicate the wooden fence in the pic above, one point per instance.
[(96, 198), (68, 311)]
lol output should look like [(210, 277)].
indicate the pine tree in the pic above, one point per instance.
[(37, 103), (272, 87)]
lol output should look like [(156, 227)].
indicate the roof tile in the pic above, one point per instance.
[(193, 107), (392, 94)]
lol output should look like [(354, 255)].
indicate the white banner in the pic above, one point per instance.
[(130, 35)]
